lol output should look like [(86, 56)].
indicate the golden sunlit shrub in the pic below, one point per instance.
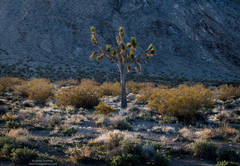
[(9, 116), (84, 95), (226, 92), (223, 133), (9, 82), (182, 102), (38, 89), (20, 134), (135, 87), (144, 95), (110, 89), (1, 89), (67, 82), (88, 82), (83, 154), (103, 108)]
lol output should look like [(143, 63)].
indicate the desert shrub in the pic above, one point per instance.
[(7, 145), (125, 160), (85, 154), (1, 89), (9, 116), (118, 122), (223, 133), (226, 163), (68, 131), (226, 92), (136, 87), (38, 89), (11, 124), (206, 150), (110, 89), (24, 155), (20, 135), (228, 154), (133, 154), (103, 108), (67, 83), (10, 82), (182, 102), (84, 95), (88, 82)]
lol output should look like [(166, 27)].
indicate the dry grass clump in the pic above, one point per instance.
[(9, 82), (38, 89), (20, 134), (135, 87), (226, 92), (103, 108), (9, 116), (223, 133), (182, 102), (110, 89), (83, 154), (85, 95)]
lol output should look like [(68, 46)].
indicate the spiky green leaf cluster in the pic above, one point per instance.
[(134, 43), (108, 48), (123, 53)]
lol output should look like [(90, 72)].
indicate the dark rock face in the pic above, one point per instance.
[(194, 39)]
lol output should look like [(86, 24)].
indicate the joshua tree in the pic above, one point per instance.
[(124, 56)]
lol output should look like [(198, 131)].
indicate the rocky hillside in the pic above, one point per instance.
[(194, 39)]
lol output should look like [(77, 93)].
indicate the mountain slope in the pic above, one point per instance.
[(194, 39)]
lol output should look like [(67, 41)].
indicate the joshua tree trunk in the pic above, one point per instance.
[(122, 69)]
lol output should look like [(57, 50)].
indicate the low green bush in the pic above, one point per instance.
[(205, 150), (226, 163), (68, 132), (12, 124), (24, 155), (228, 155), (125, 160)]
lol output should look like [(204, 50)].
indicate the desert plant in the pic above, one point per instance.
[(228, 154), (84, 154), (38, 89), (10, 82), (223, 133), (7, 145), (103, 108), (118, 122), (24, 155), (124, 56), (136, 87), (12, 124), (20, 135), (68, 131), (226, 92), (226, 163), (86, 96), (182, 102), (9, 116), (125, 160), (206, 150), (110, 89), (1, 89)]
